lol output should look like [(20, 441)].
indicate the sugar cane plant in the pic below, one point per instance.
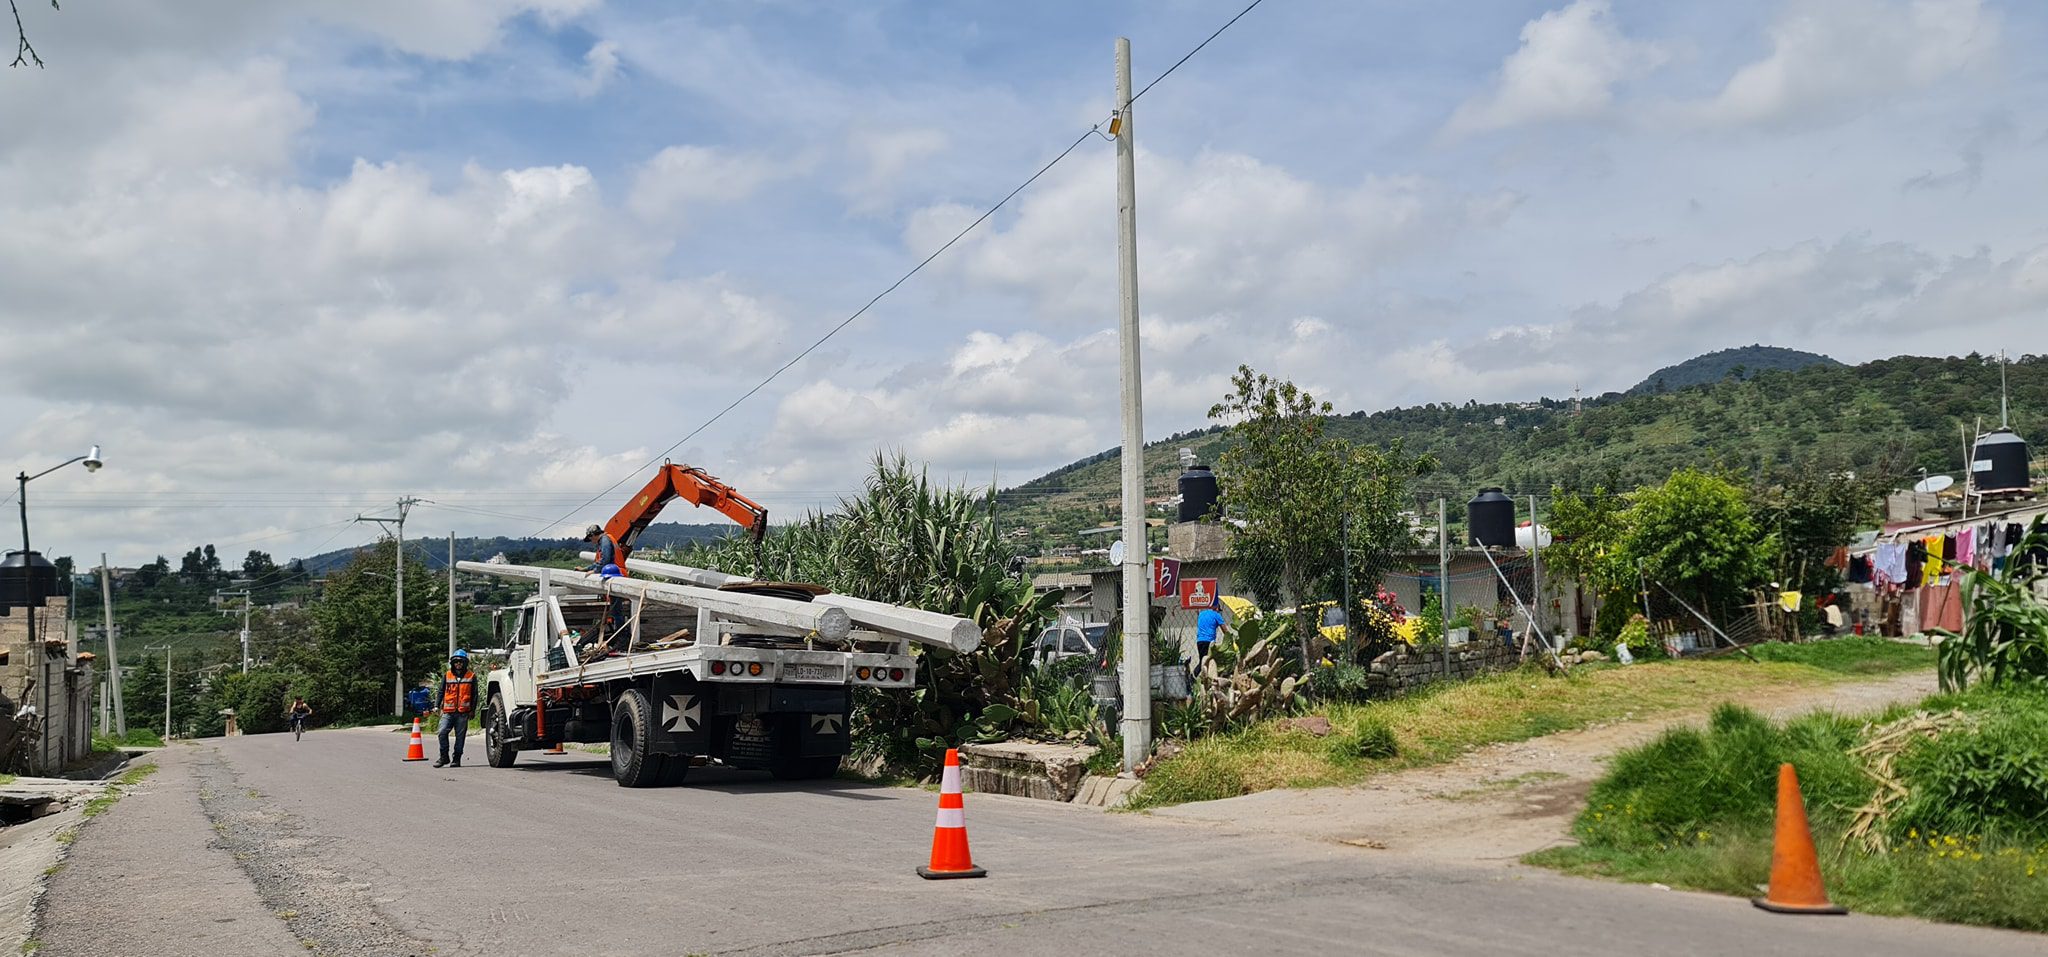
[(2005, 622), (908, 541)]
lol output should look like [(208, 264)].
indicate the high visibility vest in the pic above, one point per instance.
[(458, 695)]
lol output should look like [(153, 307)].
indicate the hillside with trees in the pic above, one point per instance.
[(1743, 363), (1885, 420)]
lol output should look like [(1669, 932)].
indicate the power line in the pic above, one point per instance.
[(914, 270)]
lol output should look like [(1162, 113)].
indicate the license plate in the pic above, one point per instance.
[(812, 673)]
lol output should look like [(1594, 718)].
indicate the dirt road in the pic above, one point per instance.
[(1500, 802)]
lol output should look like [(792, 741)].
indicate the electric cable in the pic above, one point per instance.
[(914, 270)]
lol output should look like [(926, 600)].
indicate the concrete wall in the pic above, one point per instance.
[(62, 690)]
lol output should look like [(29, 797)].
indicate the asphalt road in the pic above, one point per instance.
[(260, 845)]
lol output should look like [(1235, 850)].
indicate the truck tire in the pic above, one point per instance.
[(804, 769), (674, 769), (497, 729), (633, 765)]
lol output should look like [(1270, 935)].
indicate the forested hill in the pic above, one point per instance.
[(434, 551), (1746, 362), (1899, 415)]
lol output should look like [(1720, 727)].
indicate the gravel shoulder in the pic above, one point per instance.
[(1498, 803), (151, 877)]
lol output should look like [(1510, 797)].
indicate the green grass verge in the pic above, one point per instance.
[(1969, 844), (1854, 655), (1438, 723), (135, 775)]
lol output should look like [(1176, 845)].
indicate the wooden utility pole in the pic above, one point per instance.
[(451, 594), (1137, 608)]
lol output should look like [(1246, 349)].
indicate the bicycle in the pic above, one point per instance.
[(298, 723)]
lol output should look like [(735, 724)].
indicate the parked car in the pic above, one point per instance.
[(1068, 640)]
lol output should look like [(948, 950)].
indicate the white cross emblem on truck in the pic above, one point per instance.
[(825, 724), (680, 711)]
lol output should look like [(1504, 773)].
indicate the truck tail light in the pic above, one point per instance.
[(754, 669), (895, 674), (862, 672), (718, 667)]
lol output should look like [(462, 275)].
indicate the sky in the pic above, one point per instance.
[(289, 261)]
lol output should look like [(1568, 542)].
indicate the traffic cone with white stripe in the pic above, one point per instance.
[(417, 750), (949, 837)]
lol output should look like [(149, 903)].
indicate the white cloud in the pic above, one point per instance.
[(884, 156), (679, 177), (1219, 232), (602, 62), (1567, 67), (1832, 58)]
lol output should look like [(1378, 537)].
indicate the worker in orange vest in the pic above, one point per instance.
[(458, 702)]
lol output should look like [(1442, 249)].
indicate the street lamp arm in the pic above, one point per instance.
[(26, 478)]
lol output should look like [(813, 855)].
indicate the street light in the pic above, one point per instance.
[(34, 580)]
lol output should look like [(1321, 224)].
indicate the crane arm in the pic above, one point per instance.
[(692, 485)]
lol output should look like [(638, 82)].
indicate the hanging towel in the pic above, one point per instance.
[(1788, 600), (1916, 563), (1890, 564), (1966, 547), (1931, 571)]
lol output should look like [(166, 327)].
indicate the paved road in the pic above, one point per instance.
[(342, 846)]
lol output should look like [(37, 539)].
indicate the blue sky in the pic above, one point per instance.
[(290, 260)]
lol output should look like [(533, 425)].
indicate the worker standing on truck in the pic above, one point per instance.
[(458, 702)]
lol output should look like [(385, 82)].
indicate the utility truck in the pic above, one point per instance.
[(703, 667)]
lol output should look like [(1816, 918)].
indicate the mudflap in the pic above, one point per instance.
[(761, 726), (682, 715)]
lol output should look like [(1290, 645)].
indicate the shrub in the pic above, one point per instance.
[(1373, 739), (1343, 681), (1991, 778)]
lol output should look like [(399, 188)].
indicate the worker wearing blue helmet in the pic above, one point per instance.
[(458, 702)]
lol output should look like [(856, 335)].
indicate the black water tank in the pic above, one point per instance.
[(1490, 518), (1198, 494), (1999, 461), (26, 581)]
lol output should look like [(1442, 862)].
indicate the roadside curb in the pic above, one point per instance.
[(29, 853)]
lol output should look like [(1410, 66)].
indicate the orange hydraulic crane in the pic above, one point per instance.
[(692, 485)]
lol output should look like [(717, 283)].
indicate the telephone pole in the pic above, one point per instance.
[(1137, 722), (113, 655), (247, 601), (451, 594), (398, 589)]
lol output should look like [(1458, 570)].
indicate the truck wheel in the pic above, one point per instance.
[(633, 765), (804, 769), (497, 729)]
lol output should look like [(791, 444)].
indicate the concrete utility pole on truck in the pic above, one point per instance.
[(703, 667)]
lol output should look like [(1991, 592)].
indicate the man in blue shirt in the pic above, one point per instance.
[(1206, 624)]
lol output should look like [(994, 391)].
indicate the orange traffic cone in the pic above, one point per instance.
[(1795, 869), (417, 750), (949, 837)]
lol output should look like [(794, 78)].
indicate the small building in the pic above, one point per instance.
[(52, 679)]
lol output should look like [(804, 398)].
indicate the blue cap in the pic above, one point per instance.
[(460, 653), (609, 571)]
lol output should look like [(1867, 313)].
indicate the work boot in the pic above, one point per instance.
[(442, 763), (455, 763)]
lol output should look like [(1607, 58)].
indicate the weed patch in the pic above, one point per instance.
[(1694, 809), (1440, 722)]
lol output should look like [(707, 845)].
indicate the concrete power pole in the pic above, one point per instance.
[(1443, 582), (398, 589), (248, 599), (113, 655), (1536, 569), (451, 594), (1137, 723)]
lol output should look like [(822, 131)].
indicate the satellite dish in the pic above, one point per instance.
[(1933, 483), (1116, 552)]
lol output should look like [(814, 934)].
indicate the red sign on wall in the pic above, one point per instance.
[(1197, 592), (1165, 577)]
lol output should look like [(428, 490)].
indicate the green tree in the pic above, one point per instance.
[(354, 657), (1589, 531), (1811, 511), (1695, 534), (1301, 492)]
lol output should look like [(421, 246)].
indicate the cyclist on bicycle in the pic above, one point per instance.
[(298, 713)]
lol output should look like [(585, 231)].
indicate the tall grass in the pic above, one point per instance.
[(1694, 809)]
